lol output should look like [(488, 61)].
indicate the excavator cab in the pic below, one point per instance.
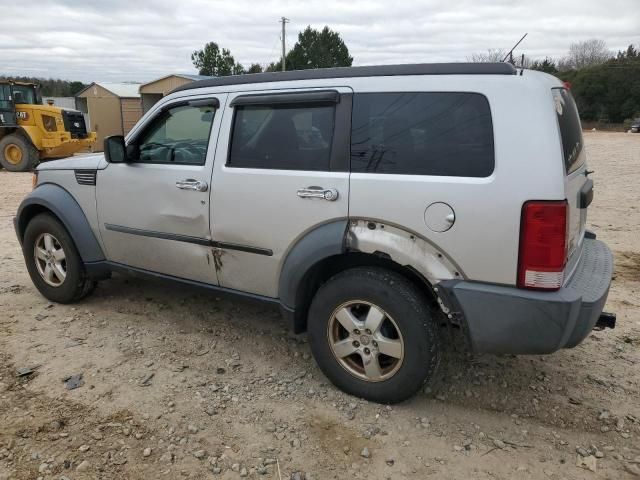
[(12, 93)]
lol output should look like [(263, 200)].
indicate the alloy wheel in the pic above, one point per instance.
[(365, 341), (51, 260)]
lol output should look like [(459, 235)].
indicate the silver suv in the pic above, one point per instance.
[(373, 205)]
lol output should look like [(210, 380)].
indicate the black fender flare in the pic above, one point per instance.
[(322, 242), (62, 204)]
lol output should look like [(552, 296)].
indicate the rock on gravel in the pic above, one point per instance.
[(632, 469), (192, 429), (588, 462)]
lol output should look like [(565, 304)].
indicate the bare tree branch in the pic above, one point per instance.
[(491, 55), (585, 54)]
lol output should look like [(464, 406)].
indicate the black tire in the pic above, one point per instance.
[(76, 285), (400, 300), (28, 154)]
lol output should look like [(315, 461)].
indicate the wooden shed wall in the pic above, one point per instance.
[(164, 85), (131, 113)]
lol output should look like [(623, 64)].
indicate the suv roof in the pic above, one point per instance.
[(460, 68)]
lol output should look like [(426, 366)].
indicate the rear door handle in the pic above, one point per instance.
[(330, 194), (192, 184)]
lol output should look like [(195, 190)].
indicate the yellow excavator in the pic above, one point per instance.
[(31, 132)]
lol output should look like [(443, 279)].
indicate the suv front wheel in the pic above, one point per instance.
[(53, 261), (372, 333)]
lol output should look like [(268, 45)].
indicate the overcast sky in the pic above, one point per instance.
[(128, 40)]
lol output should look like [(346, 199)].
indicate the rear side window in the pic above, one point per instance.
[(570, 128), (434, 133), (284, 137)]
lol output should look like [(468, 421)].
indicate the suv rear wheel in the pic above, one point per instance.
[(372, 333), (53, 261)]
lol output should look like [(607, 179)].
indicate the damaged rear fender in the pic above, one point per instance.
[(403, 247)]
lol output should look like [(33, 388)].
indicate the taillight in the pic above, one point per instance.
[(543, 245)]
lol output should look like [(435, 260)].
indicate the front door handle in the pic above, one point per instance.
[(192, 184), (330, 194)]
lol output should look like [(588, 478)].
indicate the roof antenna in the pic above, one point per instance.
[(510, 53)]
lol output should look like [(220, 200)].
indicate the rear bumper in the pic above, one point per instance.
[(501, 319)]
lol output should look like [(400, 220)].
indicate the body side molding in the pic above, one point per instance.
[(188, 239)]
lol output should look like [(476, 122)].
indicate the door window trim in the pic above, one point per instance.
[(340, 157), (314, 96)]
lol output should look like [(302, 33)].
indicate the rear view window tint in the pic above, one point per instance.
[(436, 133), (289, 137), (570, 128)]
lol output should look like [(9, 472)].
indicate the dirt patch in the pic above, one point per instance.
[(44, 436), (628, 266)]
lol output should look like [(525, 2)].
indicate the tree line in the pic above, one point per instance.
[(314, 49), (51, 87), (606, 85)]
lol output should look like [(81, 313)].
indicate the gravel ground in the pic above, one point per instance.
[(181, 384)]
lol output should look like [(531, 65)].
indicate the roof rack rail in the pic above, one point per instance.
[(351, 72)]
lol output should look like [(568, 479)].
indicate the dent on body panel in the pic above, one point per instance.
[(175, 215), (404, 248)]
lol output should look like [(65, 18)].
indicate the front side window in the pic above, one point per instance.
[(179, 135), (430, 133), (287, 137)]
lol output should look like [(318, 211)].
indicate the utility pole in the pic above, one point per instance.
[(284, 21)]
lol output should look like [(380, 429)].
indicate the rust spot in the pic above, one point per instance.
[(217, 258)]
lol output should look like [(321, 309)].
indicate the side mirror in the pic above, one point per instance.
[(115, 150)]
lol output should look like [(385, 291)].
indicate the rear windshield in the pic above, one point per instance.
[(570, 128)]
